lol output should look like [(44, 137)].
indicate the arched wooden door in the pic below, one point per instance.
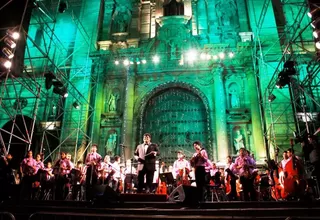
[(175, 117)]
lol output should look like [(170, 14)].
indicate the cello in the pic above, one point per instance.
[(293, 184)]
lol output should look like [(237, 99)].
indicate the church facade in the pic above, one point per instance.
[(181, 70)]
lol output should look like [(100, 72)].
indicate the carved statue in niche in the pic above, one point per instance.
[(226, 11), (121, 17), (173, 49), (238, 139), (234, 95), (111, 145), (113, 101)]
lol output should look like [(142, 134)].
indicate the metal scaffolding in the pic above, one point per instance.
[(25, 96), (292, 110)]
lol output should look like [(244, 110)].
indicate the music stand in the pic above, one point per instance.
[(167, 178)]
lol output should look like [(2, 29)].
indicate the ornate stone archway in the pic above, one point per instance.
[(176, 114)]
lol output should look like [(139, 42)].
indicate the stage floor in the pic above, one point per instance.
[(59, 210)]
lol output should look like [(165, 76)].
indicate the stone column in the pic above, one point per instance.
[(257, 134), (221, 116), (106, 20), (194, 17), (243, 16), (127, 127), (202, 18), (97, 99)]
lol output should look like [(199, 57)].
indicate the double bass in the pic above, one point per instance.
[(293, 184)]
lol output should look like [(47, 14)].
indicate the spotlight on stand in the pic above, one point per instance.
[(271, 98), (283, 80), (288, 67), (76, 105), (61, 91), (49, 80)]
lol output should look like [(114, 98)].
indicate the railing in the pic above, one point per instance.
[(7, 216)]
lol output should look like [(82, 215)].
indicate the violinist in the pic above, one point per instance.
[(181, 168), (62, 166), (198, 161), (28, 170), (244, 166)]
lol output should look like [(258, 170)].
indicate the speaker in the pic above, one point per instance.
[(185, 194), (104, 193)]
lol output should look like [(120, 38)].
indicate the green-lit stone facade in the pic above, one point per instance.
[(211, 82)]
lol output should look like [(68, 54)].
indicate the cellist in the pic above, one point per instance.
[(230, 180), (181, 168)]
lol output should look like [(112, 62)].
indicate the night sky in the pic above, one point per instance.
[(11, 15)]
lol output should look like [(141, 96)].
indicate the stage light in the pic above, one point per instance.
[(126, 62), (116, 62), (215, 57), (314, 24), (49, 80), (316, 33), (7, 52), (61, 91), (143, 61), (271, 98), (6, 63), (62, 7), (10, 42), (138, 62), (13, 34), (311, 13), (76, 105), (221, 55), (156, 59), (283, 80), (231, 54), (192, 55), (203, 56), (208, 57), (318, 45)]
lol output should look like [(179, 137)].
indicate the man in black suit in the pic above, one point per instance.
[(146, 155)]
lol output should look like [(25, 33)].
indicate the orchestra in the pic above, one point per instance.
[(238, 177)]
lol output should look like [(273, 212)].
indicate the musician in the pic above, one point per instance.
[(163, 167), (105, 170), (93, 162), (231, 178), (4, 171), (39, 164), (311, 150), (62, 167), (198, 161), (69, 157), (180, 164), (130, 169), (244, 165), (27, 168), (117, 174), (146, 154), (284, 160)]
